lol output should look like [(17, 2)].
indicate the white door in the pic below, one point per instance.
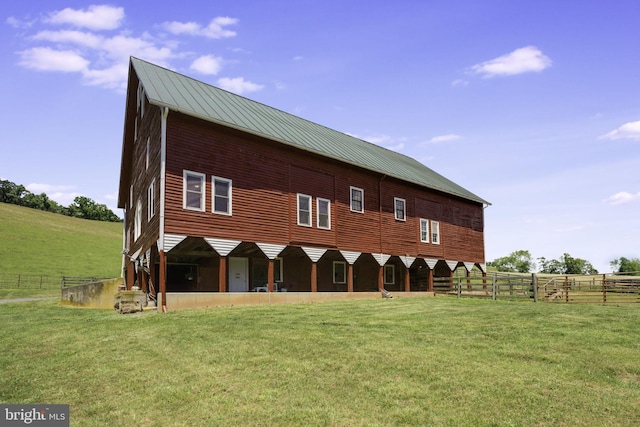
[(238, 274)]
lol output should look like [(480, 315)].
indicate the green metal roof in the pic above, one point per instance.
[(167, 88)]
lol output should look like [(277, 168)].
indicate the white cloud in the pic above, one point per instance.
[(102, 58), (47, 59), (523, 60), (215, 30), (16, 23), (444, 138), (460, 83), (80, 38), (629, 130), (622, 198), (238, 85), (95, 17), (62, 194), (207, 64), (114, 77), (46, 188)]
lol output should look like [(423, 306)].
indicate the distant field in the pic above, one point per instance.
[(412, 361), (42, 243)]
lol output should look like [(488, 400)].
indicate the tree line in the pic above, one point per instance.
[(521, 261), (82, 207)]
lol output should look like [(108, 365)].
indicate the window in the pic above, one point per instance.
[(357, 199), (137, 222), (304, 210), (193, 195), (221, 195), (424, 230), (389, 274), (400, 208), (151, 200), (277, 270), (324, 213), (435, 232), (140, 100), (146, 162), (339, 272)]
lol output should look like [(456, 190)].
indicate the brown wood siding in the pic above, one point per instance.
[(266, 178), (148, 129)]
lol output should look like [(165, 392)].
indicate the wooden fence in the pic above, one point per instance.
[(601, 289), (37, 281)]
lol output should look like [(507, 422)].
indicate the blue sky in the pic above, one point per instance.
[(532, 105)]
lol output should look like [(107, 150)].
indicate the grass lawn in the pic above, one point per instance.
[(412, 361), (35, 242)]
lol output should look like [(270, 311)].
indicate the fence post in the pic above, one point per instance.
[(459, 287), (534, 283), (566, 289), (604, 289), (494, 285)]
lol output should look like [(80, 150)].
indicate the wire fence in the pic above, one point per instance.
[(38, 281)]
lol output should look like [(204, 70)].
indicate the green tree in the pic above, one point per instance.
[(11, 192), (566, 265), (84, 207), (518, 261), (625, 265)]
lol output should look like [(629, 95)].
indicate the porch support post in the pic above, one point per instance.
[(131, 274), (270, 275), (351, 257), (349, 277), (314, 277), (222, 275), (143, 279), (380, 278), (430, 280), (407, 280), (163, 279), (153, 279)]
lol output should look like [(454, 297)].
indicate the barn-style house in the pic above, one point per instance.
[(226, 199)]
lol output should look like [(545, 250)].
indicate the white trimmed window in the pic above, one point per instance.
[(424, 230), (304, 210), (389, 274), (435, 232), (151, 200), (324, 213), (339, 272), (221, 195), (400, 209), (193, 191), (137, 222), (357, 199)]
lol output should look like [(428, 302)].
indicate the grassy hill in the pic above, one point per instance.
[(43, 243)]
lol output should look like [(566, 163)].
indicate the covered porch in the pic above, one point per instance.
[(196, 271)]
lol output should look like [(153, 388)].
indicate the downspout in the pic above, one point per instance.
[(380, 210), (381, 268), (124, 241), (163, 170)]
